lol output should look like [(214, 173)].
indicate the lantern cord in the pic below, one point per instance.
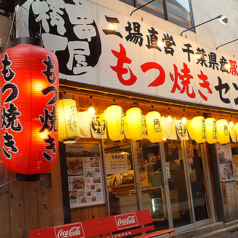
[(14, 15), (1, 185), (38, 35)]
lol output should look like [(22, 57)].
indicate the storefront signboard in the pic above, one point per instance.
[(128, 57), (85, 177)]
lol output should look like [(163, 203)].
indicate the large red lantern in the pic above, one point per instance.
[(29, 101)]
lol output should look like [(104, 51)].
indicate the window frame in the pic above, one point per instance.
[(165, 14)]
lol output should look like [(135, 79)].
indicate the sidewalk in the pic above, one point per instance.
[(231, 232)]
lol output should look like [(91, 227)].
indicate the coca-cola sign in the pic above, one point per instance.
[(126, 221), (70, 231)]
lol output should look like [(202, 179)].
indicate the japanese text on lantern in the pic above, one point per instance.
[(10, 113), (48, 120)]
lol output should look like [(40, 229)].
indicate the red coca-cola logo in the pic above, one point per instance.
[(126, 221), (69, 231)]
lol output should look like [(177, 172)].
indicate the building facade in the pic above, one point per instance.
[(135, 54)]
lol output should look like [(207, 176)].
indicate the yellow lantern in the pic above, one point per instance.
[(211, 130), (67, 120), (190, 130), (198, 129), (223, 131), (115, 122), (236, 130), (154, 129), (135, 123), (127, 131)]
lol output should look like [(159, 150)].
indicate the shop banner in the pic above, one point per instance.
[(85, 175), (98, 127), (169, 130), (84, 124), (232, 131), (181, 130), (128, 57)]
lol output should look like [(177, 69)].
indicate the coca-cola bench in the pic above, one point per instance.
[(129, 224)]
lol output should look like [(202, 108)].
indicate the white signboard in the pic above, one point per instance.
[(128, 57), (116, 163)]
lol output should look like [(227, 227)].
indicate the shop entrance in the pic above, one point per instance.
[(169, 178)]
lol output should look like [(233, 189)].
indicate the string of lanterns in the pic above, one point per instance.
[(136, 126)]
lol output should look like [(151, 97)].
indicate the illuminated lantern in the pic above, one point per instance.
[(223, 131), (29, 101), (154, 129), (135, 123), (115, 122), (236, 130), (127, 131), (190, 130), (211, 130), (67, 120), (198, 129)]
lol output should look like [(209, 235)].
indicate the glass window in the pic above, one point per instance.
[(156, 7), (120, 177), (179, 12), (176, 11)]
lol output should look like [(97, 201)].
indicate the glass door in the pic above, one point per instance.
[(197, 180), (177, 185), (188, 183), (152, 182)]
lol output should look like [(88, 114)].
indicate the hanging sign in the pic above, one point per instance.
[(169, 129), (84, 124), (181, 130), (98, 127)]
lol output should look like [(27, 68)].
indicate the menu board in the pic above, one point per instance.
[(85, 177)]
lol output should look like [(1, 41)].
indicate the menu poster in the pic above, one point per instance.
[(235, 162), (116, 163), (224, 156), (85, 177)]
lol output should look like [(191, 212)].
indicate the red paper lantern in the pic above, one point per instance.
[(29, 100)]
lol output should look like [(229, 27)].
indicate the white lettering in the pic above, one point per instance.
[(127, 221), (74, 231)]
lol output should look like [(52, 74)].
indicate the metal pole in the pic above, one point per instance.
[(200, 24), (226, 43), (141, 6)]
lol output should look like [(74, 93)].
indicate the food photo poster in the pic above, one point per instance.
[(85, 177)]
